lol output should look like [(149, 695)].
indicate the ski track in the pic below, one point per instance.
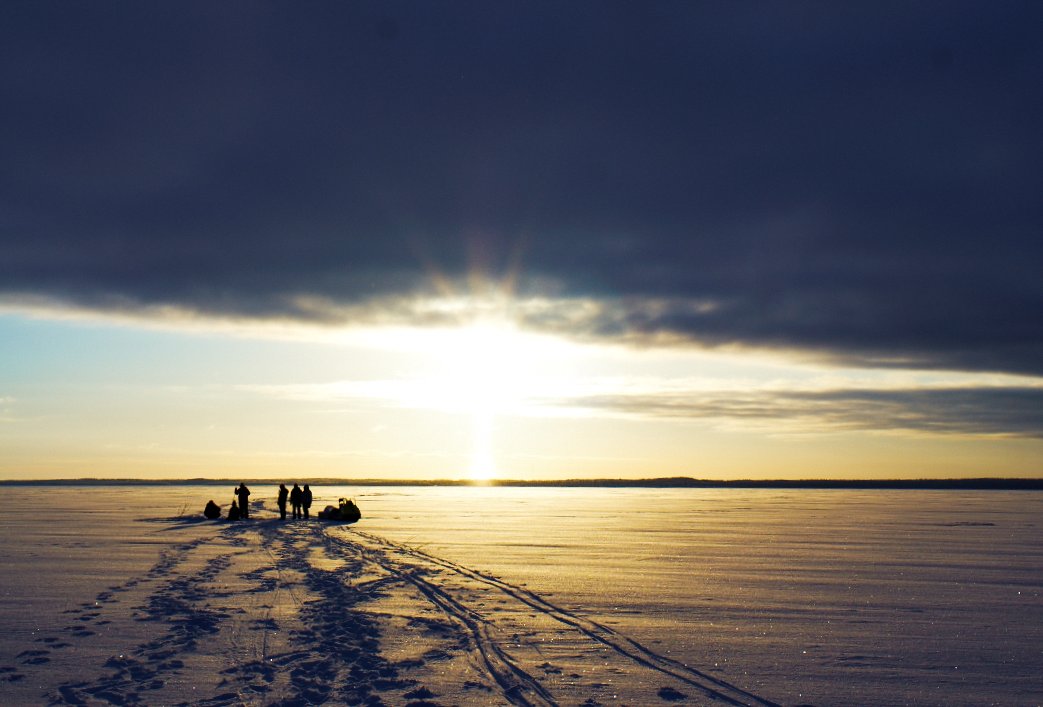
[(622, 644), (331, 652), (518, 686)]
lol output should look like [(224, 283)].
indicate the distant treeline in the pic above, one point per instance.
[(686, 482), (982, 484)]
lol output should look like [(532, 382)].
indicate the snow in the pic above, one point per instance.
[(476, 596)]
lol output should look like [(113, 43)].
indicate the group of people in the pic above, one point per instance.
[(300, 500)]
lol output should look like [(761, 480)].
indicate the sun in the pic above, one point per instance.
[(490, 371), (487, 366), (487, 372), (484, 368)]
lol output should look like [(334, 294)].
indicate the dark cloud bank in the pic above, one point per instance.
[(855, 179)]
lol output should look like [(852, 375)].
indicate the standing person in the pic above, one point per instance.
[(295, 500), (306, 500), (244, 501), (283, 494)]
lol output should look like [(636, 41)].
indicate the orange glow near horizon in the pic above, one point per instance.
[(480, 399)]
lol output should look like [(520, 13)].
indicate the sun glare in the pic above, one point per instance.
[(485, 371), (483, 367), (488, 371), (483, 465)]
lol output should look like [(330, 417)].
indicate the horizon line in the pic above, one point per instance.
[(968, 483)]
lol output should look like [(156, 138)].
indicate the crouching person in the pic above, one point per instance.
[(212, 510)]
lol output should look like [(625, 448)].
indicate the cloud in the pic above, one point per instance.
[(1002, 412), (1013, 411), (857, 181)]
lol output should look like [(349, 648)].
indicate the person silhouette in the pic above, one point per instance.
[(212, 510), (233, 512), (283, 494), (306, 500), (295, 500), (244, 501)]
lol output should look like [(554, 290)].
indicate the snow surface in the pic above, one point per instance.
[(477, 596)]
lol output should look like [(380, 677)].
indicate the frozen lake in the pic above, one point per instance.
[(525, 596), (827, 597)]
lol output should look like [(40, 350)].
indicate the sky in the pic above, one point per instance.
[(521, 240)]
